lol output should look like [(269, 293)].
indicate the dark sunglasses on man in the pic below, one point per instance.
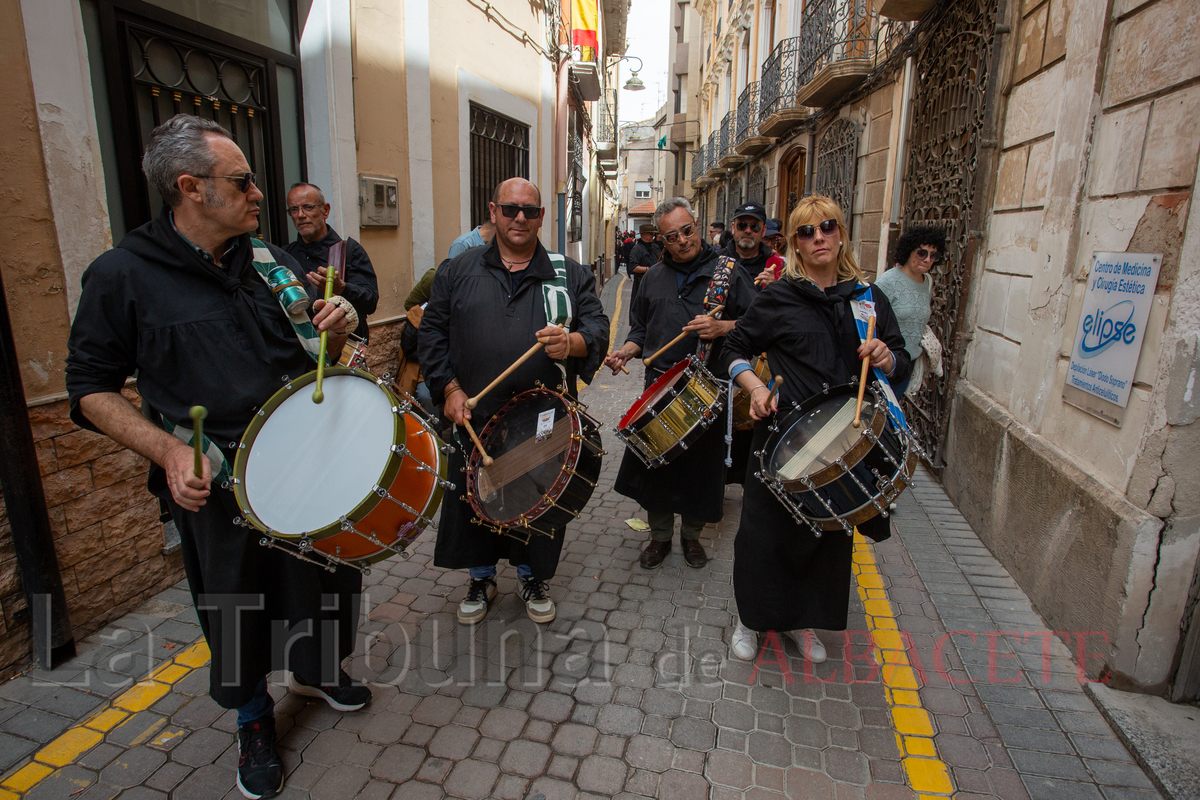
[(752, 225), (923, 254), (686, 232), (530, 212), (809, 231), (245, 180)]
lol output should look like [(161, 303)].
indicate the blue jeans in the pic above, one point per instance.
[(260, 705), (478, 573)]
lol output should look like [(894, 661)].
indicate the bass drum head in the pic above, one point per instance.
[(530, 443), (813, 439), (311, 463)]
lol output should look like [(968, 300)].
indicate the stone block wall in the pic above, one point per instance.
[(107, 534), (873, 182)]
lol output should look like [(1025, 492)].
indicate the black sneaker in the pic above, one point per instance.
[(346, 696), (260, 771)]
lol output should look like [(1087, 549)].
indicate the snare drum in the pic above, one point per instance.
[(355, 478), (829, 474), (545, 453), (741, 398), (671, 414)]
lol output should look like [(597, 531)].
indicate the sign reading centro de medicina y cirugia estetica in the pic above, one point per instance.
[(1112, 326)]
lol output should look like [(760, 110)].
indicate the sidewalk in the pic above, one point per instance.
[(947, 683)]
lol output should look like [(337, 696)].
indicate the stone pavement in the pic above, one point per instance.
[(947, 683)]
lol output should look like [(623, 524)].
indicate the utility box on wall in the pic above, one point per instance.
[(378, 201)]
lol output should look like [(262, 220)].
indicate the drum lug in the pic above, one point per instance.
[(825, 388), (546, 498), (574, 474), (261, 413)]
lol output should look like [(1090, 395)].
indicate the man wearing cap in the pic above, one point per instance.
[(775, 240), (759, 261), (645, 254)]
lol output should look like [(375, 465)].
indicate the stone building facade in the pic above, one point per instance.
[(1035, 133)]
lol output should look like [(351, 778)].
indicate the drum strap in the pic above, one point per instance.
[(718, 290), (557, 297), (216, 459), (309, 338), (864, 308)]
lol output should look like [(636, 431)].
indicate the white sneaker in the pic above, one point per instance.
[(744, 642), (808, 644), (538, 604), (474, 606)]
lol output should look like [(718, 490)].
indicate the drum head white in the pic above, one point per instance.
[(312, 463), (818, 438)]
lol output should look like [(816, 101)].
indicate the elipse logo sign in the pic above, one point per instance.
[(1106, 327)]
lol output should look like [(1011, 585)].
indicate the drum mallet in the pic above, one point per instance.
[(487, 460), (198, 413), (318, 394), (862, 381), (775, 384), (675, 341), (474, 401)]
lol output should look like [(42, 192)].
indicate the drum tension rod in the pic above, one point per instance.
[(386, 495), (548, 499), (574, 474), (269, 541), (373, 538)]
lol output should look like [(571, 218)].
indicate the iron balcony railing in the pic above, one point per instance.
[(726, 131), (698, 165), (832, 31), (777, 89), (606, 124), (747, 114)]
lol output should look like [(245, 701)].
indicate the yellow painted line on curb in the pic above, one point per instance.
[(926, 774), (89, 732)]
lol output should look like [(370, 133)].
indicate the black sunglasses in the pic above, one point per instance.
[(923, 254), (752, 225), (686, 232), (511, 211), (245, 180), (809, 231)]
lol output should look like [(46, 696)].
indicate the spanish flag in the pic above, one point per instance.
[(584, 23)]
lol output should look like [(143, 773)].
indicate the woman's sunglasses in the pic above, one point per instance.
[(511, 211), (809, 231), (923, 254)]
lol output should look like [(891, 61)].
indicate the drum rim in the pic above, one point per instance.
[(855, 454), (390, 470), (867, 510), (556, 488), (629, 420)]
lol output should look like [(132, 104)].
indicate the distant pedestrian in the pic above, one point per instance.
[(645, 253), (910, 289), (478, 236)]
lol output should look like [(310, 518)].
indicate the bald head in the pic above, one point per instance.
[(515, 187)]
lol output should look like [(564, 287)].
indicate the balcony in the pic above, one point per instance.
[(730, 157), (585, 72), (906, 10), (778, 108), (605, 122), (746, 139), (837, 49), (700, 176), (712, 158)]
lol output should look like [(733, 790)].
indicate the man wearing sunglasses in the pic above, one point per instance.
[(314, 236), (185, 302), (757, 259), (673, 297), (487, 306)]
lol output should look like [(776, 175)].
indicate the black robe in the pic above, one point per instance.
[(692, 483), (201, 334), (784, 578), (642, 254), (362, 289), (474, 327)]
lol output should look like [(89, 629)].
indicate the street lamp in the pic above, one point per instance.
[(634, 84)]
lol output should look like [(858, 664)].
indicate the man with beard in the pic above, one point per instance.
[(674, 296), (644, 255), (757, 259), (487, 306)]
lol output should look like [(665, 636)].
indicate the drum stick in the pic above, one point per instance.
[(198, 413), (474, 401), (862, 381), (318, 394), (675, 341), (487, 460), (775, 384)]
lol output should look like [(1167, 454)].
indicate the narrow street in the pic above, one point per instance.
[(947, 683)]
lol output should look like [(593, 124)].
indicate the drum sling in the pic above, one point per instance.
[(557, 298)]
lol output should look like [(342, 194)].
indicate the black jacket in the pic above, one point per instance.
[(643, 254), (362, 289)]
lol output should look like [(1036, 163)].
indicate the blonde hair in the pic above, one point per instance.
[(813, 210)]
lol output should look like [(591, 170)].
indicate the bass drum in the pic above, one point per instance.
[(354, 478), (546, 455)]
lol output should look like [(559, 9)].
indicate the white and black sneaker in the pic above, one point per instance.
[(346, 696), (538, 604), (260, 770), (474, 606)]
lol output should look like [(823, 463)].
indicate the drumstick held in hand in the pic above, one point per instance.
[(474, 401), (675, 341), (487, 460), (318, 394), (775, 384), (198, 413), (862, 381)]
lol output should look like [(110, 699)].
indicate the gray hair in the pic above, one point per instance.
[(180, 147), (667, 206), (299, 184)]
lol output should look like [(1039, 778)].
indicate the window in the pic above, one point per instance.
[(499, 151), (641, 190), (149, 64)]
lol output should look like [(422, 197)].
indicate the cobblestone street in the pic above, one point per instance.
[(947, 683)]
